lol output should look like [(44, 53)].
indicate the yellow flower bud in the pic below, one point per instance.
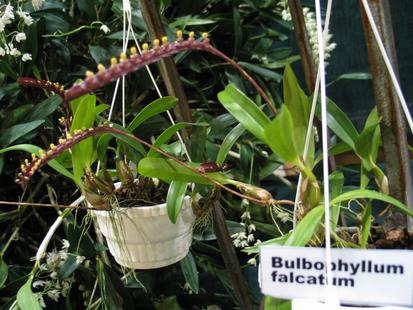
[(89, 73), (133, 50), (113, 61), (164, 39), (101, 68)]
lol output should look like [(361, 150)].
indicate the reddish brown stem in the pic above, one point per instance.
[(31, 167)]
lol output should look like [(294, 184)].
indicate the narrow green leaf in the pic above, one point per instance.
[(336, 180), (35, 149), (16, 115), (264, 72), (366, 144), (190, 272), (4, 271), (100, 108), (44, 109), (352, 76), (165, 136), (271, 303), (295, 99), (366, 226), (26, 299), (369, 194), (84, 117), (175, 199), (154, 108), (280, 137), (340, 124), (305, 229), (244, 110), (15, 132), (169, 170), (228, 142)]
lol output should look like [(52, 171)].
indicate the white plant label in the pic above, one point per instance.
[(359, 277)]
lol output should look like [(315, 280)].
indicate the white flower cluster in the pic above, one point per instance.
[(311, 25), (48, 277), (245, 237), (7, 47)]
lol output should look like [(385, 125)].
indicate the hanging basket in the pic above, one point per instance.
[(144, 237)]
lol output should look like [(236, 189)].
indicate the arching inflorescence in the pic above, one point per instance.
[(29, 167), (160, 49), (124, 65), (51, 86)]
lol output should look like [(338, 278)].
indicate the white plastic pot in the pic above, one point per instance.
[(144, 237)]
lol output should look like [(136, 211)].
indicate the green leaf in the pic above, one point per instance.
[(100, 108), (295, 99), (84, 117), (367, 143), (280, 137), (44, 109), (190, 272), (228, 142), (352, 76), (369, 194), (244, 110), (169, 170), (16, 115), (340, 124), (165, 136), (366, 224), (26, 299), (154, 108), (336, 180), (271, 303), (305, 229), (265, 73), (175, 199), (4, 271), (15, 132), (35, 149)]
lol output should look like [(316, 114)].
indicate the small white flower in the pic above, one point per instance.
[(80, 259), (53, 294), (244, 203), (53, 275), (15, 52), (236, 243), (20, 36), (8, 15), (105, 29), (28, 20), (246, 215), (252, 261), (37, 4), (250, 238), (242, 235), (38, 283), (258, 242), (2, 51), (2, 25), (234, 236), (283, 216), (251, 228), (66, 244), (243, 244)]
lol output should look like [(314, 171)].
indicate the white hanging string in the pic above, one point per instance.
[(331, 301), (127, 18), (311, 117), (185, 150), (388, 64)]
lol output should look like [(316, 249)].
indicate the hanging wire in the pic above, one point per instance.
[(331, 298), (388, 64), (311, 117), (129, 17)]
